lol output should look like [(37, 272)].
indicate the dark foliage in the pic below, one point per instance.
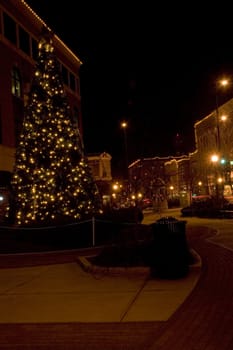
[(126, 215)]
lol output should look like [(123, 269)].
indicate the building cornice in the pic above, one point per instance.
[(38, 24)]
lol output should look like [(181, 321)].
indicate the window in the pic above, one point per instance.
[(72, 82), (15, 82), (24, 41), (64, 72), (34, 49), (77, 86), (9, 28), (18, 112)]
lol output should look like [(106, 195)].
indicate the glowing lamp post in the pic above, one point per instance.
[(223, 83), (214, 158), (199, 187), (124, 126), (171, 188), (225, 163), (218, 179)]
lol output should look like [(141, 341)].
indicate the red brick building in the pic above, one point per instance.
[(20, 30)]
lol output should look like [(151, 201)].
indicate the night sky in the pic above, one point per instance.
[(154, 67)]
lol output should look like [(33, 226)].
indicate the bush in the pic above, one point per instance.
[(127, 215), (122, 256)]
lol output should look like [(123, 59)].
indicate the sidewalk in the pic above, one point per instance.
[(71, 292), (66, 293)]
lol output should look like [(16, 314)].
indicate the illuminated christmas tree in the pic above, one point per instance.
[(52, 181)]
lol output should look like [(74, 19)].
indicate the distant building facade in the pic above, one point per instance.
[(156, 179), (208, 168), (147, 176), (214, 150), (100, 164)]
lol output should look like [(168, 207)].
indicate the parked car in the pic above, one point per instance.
[(146, 203), (226, 211), (205, 207)]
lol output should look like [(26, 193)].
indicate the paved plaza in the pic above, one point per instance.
[(56, 304)]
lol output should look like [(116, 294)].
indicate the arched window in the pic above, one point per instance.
[(15, 82)]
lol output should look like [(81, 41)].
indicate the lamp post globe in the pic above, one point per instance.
[(124, 126)]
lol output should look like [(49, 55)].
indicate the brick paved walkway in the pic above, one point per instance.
[(205, 319), (203, 322)]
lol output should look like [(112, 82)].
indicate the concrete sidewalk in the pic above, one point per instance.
[(68, 293)]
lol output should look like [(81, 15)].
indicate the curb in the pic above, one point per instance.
[(90, 268), (87, 266), (197, 259)]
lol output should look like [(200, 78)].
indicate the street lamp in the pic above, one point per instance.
[(215, 159), (171, 191), (124, 126), (199, 187), (220, 84), (218, 180)]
